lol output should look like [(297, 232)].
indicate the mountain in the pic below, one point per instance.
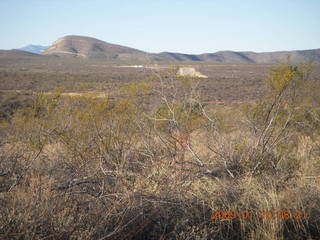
[(91, 48), (87, 47), (168, 56), (296, 56), (226, 57), (248, 57), (13, 54), (33, 48)]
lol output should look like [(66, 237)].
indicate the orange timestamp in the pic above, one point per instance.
[(265, 214)]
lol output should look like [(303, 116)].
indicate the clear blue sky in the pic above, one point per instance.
[(166, 25)]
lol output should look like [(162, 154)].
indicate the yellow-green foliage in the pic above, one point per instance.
[(290, 91), (281, 77), (136, 88), (277, 117)]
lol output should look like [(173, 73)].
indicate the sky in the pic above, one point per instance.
[(187, 26)]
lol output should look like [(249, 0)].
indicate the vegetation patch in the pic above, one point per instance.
[(87, 167)]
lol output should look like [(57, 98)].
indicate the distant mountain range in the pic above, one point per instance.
[(91, 48), (18, 54), (33, 48)]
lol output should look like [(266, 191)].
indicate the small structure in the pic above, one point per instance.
[(190, 72)]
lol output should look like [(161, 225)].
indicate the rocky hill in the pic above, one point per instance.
[(87, 47)]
